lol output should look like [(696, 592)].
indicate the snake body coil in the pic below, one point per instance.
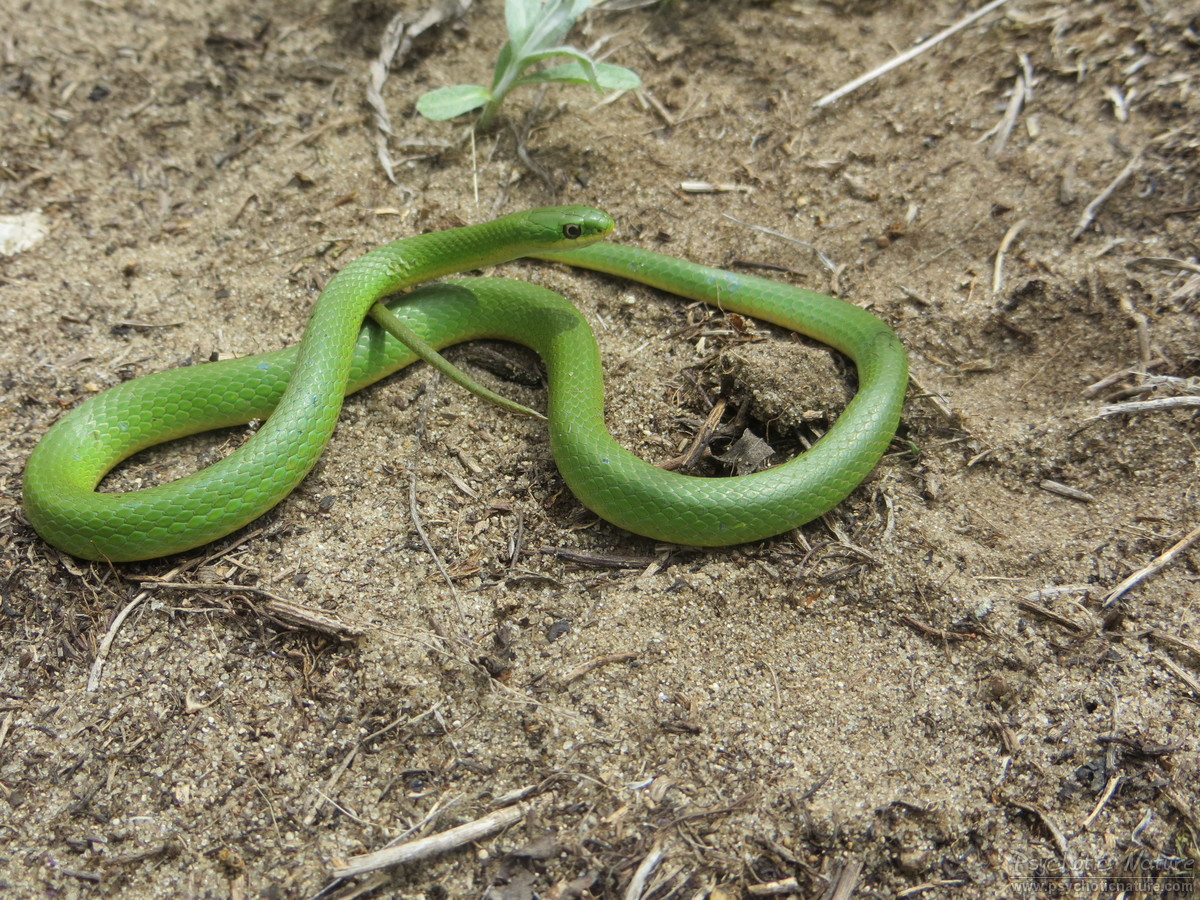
[(299, 392)]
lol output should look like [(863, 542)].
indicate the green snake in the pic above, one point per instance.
[(299, 391)]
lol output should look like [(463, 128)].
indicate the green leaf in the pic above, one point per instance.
[(577, 8), (536, 29), (608, 76), (588, 64), (504, 71), (570, 11), (448, 102), (550, 21), (517, 18)]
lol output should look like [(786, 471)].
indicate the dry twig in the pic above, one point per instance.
[(1005, 243), (1109, 790), (772, 888), (1174, 641), (414, 511), (1182, 674), (700, 443), (1140, 406), (1093, 208), (1046, 613), (582, 669), (435, 844), (1065, 490), (1003, 131), (939, 633), (825, 260), (847, 880), (93, 682), (924, 886), (1060, 840), (394, 46), (637, 884), (1141, 324), (907, 55), (1160, 562), (285, 612)]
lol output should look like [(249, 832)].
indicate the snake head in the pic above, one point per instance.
[(566, 227)]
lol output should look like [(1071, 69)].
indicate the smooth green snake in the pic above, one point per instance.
[(299, 391)]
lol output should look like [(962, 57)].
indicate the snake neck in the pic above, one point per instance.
[(436, 254)]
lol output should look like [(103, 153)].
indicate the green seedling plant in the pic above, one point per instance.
[(536, 29)]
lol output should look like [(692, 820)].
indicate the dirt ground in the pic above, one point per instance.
[(922, 693)]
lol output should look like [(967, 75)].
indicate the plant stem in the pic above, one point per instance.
[(500, 88), (489, 114)]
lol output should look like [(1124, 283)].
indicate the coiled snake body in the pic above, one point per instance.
[(299, 392)]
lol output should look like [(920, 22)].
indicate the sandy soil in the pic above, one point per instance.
[(921, 693)]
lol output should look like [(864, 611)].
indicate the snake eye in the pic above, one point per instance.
[(572, 230)]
